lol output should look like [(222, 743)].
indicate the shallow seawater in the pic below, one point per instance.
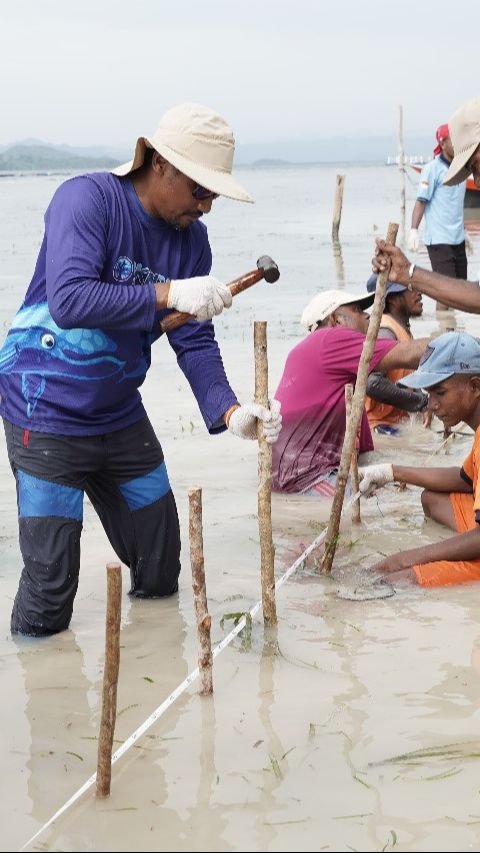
[(355, 724)]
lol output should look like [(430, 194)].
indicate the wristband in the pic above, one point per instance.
[(228, 414), (411, 270)]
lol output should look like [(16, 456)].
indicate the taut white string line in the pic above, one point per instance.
[(191, 677)]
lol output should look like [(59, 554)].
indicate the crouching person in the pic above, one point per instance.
[(312, 390), (450, 371)]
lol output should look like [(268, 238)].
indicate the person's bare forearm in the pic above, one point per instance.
[(404, 354), (417, 213), (436, 479), (464, 546), (463, 295)]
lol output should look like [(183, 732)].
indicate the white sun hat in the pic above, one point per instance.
[(199, 143), (465, 135)]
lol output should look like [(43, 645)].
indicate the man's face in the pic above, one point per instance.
[(473, 165), (171, 196), (447, 148), (455, 399), (413, 303), (351, 317)]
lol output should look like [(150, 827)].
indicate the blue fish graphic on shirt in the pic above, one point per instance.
[(37, 348)]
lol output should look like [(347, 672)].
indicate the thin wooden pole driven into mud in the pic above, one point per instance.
[(204, 620), (338, 260), (448, 435), (267, 551), (354, 466), (110, 679), (358, 403), (401, 166), (337, 206)]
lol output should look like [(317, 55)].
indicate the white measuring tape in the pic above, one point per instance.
[(191, 677)]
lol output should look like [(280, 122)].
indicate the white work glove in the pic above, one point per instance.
[(413, 240), (468, 246), (374, 477), (243, 421), (203, 296)]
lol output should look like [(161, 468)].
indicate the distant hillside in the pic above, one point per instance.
[(341, 149), (23, 158), (33, 154)]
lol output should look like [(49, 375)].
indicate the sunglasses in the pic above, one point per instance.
[(202, 194)]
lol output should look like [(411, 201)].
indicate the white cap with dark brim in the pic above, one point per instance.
[(327, 301)]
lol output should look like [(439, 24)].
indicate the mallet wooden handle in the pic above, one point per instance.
[(178, 318)]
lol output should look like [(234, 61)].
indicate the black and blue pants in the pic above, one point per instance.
[(124, 475)]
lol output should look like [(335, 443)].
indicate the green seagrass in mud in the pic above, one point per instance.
[(246, 633)]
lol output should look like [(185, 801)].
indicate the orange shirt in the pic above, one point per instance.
[(470, 470), (466, 509), (384, 413)]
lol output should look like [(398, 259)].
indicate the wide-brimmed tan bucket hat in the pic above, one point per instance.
[(465, 135), (199, 143)]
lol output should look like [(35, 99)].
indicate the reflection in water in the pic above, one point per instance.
[(446, 319), (207, 822), (62, 730), (277, 763)]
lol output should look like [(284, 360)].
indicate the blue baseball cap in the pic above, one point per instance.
[(391, 286), (446, 356)]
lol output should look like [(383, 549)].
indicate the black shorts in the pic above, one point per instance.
[(449, 260)]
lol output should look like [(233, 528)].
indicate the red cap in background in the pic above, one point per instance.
[(441, 134)]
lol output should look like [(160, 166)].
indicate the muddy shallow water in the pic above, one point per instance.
[(355, 725)]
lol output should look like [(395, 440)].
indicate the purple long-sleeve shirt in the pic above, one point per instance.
[(80, 345)]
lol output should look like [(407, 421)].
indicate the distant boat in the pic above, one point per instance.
[(472, 195), (407, 160)]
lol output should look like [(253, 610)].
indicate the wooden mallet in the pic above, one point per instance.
[(266, 268)]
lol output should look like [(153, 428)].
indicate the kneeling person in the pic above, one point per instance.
[(388, 404), (450, 371), (312, 390)]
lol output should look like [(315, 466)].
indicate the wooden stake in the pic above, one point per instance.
[(337, 207), (110, 679), (338, 259), (448, 435), (204, 620), (267, 551), (358, 403), (354, 466), (401, 166)]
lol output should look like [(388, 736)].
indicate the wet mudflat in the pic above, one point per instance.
[(355, 726)]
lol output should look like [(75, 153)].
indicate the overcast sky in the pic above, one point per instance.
[(98, 72)]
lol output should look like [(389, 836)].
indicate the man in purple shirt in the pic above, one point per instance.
[(119, 250), (312, 388)]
